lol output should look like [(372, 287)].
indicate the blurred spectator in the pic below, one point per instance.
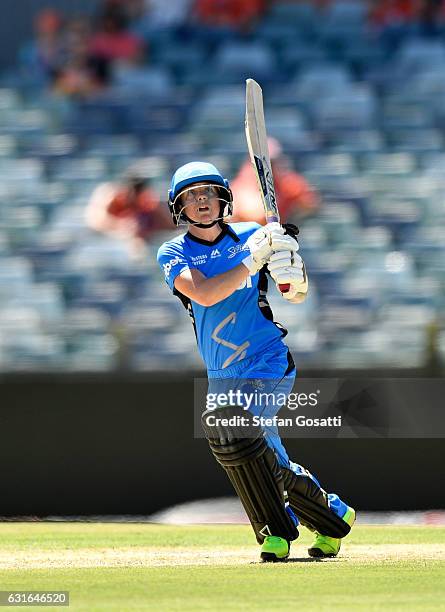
[(112, 40), (81, 72), (318, 4), (232, 14), (128, 209), (431, 17), (392, 12), (398, 19), (41, 57), (296, 198)]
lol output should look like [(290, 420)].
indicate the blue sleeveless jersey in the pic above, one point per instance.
[(239, 327)]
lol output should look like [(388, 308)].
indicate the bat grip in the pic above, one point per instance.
[(284, 288)]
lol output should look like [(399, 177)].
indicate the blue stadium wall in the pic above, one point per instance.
[(97, 445)]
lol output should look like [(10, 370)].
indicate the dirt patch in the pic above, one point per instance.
[(150, 557)]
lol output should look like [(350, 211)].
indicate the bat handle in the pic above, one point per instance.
[(284, 288)]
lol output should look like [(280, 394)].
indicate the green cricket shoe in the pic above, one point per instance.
[(274, 549), (323, 546)]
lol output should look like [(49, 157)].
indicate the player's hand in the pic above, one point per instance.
[(264, 242), (287, 268)]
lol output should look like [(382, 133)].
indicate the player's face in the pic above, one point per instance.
[(201, 203)]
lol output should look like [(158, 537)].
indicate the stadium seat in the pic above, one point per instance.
[(8, 146), (315, 82), (303, 14), (327, 269), (16, 277), (70, 218), (286, 125), (151, 314), (222, 117), (27, 122), (339, 219), (378, 347), (49, 147), (367, 241), (32, 353), (295, 55), (111, 145), (417, 54), (80, 169), (400, 115), (18, 320), (312, 236), (350, 107), (92, 353), (99, 253), (363, 54), (401, 215), (46, 299), (330, 164), (21, 170), (355, 141), (154, 81), (240, 59), (10, 99), (416, 141), (407, 315), (350, 12), (389, 164), (109, 296), (276, 33)]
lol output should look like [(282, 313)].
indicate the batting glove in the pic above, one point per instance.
[(287, 268), (263, 243)]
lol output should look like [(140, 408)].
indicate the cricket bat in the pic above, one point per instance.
[(256, 136)]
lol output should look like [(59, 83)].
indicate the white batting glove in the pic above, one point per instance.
[(287, 268), (263, 243)]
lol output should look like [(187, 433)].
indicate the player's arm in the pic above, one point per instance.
[(210, 291)]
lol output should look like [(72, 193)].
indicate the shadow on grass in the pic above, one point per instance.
[(309, 560), (295, 560)]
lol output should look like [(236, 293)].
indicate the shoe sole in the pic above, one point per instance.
[(272, 558), (319, 554)]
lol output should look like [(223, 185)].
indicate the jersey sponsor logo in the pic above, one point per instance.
[(233, 250), (239, 351), (169, 265), (215, 253), (198, 260)]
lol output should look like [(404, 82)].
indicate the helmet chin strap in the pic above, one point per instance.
[(202, 225)]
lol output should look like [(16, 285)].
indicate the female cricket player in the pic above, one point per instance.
[(219, 272)]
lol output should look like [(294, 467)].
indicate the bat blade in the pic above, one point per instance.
[(256, 137)]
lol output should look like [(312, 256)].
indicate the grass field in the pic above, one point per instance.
[(150, 567)]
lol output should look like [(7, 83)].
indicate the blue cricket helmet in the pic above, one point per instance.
[(196, 172)]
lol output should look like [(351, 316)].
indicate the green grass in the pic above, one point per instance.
[(354, 581)]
